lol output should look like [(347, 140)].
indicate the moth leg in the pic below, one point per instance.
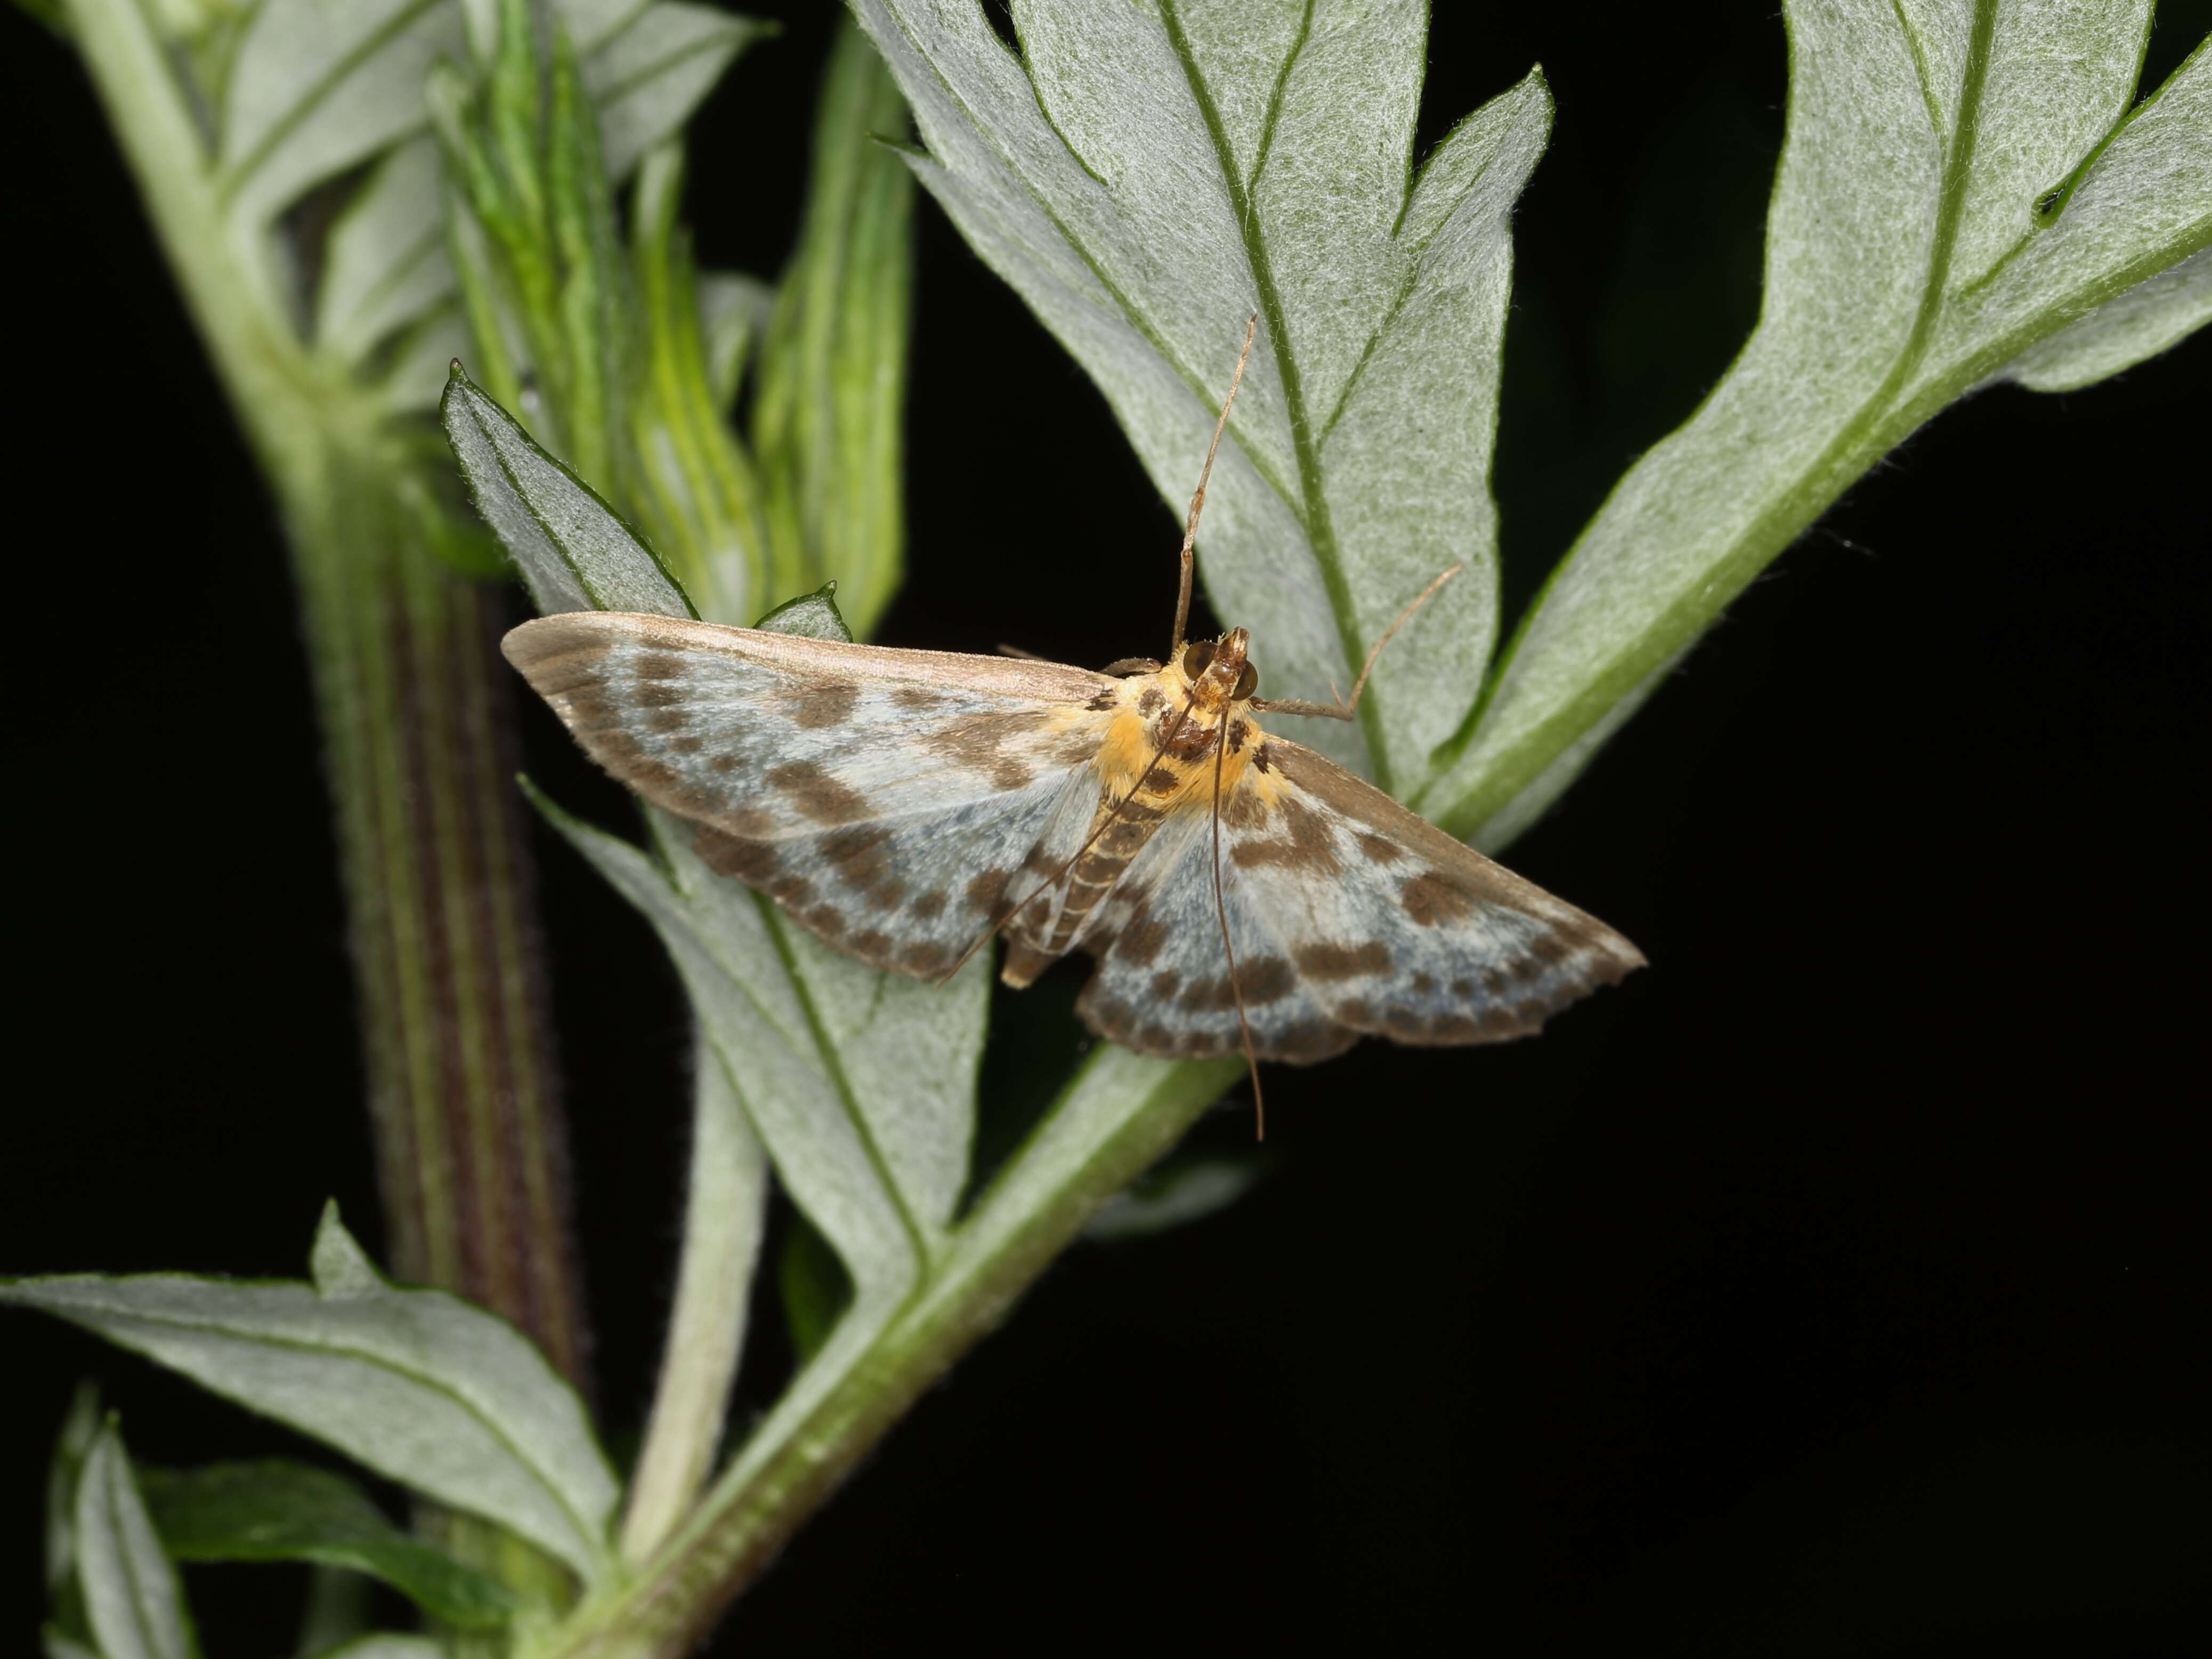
[(1198, 499), (1122, 667), (1340, 709)]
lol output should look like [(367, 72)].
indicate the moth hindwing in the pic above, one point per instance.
[(906, 804)]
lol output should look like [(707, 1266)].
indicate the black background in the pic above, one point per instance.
[(1836, 1286)]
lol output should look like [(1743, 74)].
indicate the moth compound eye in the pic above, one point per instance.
[(1247, 682), (1195, 657)]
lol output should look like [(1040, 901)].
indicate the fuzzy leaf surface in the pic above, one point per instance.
[(1147, 176), (1961, 181), (132, 1601), (573, 549), (418, 1385)]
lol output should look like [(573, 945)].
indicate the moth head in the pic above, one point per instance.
[(1218, 669)]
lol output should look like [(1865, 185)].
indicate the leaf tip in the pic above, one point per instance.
[(339, 1266)]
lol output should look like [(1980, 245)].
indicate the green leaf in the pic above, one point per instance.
[(694, 487), (66, 1603), (831, 398), (1183, 1191), (1959, 184), (2149, 317), (306, 99), (812, 1284), (132, 1601), (284, 1511), (811, 616), (573, 551), (648, 78), (860, 1083), (1146, 176), (418, 1385)]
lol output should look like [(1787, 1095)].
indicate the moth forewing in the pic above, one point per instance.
[(888, 799)]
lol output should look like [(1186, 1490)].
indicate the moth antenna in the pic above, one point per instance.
[(1221, 914), (1105, 823), (1198, 499), (1341, 710)]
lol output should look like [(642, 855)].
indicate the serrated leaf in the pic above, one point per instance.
[(573, 549), (1148, 175), (283, 1511), (132, 1601), (418, 1385), (1960, 180)]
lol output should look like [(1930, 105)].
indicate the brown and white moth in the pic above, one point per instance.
[(1236, 890)]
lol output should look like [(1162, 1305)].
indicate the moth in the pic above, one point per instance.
[(1235, 890)]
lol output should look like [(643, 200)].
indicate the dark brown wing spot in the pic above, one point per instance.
[(1104, 700), (1009, 774), (1262, 979), (1305, 845), (824, 920), (987, 892), (1462, 988), (1140, 938), (668, 719), (687, 744), (1239, 732), (1334, 962), (861, 854), (929, 906), (1165, 983), (975, 742), (815, 703), (1380, 849), (815, 793), (1431, 899), (925, 958), (1151, 701), (750, 861), (874, 945), (1423, 984), (1262, 758), (725, 762), (917, 697), (659, 665), (654, 694)]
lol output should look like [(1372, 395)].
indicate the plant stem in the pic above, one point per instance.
[(469, 1135), (471, 1150), (723, 1213), (1119, 1114)]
